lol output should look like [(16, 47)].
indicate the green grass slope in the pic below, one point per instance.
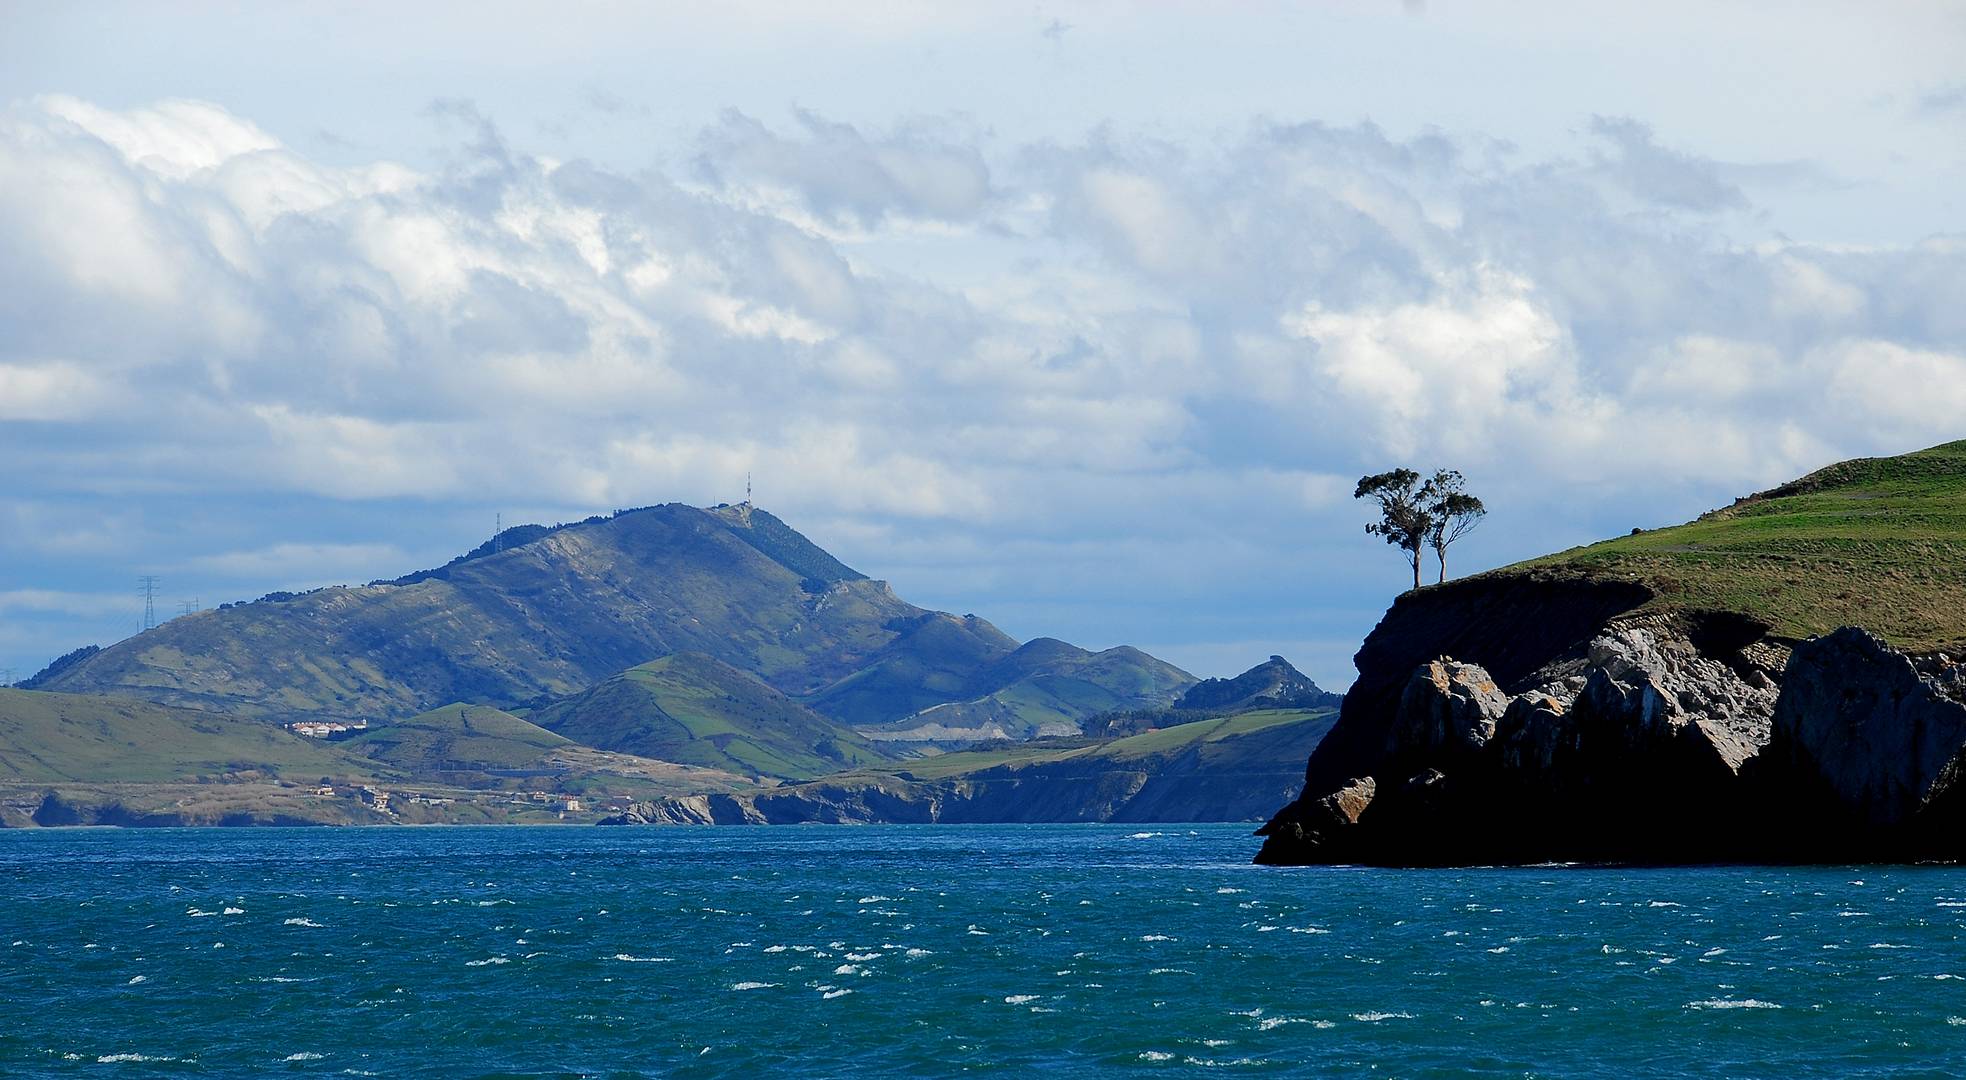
[(1045, 687), (934, 659), (696, 710), (458, 737), (1875, 542), (50, 737)]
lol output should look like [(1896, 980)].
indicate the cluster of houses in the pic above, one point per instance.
[(566, 804), (321, 729)]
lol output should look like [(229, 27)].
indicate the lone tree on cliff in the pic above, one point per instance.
[(1414, 516), (1452, 512), (1403, 518)]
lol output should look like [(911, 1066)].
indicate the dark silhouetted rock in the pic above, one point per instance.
[(1858, 721)]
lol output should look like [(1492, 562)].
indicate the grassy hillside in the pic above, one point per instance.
[(48, 737), (1045, 687), (695, 710), (458, 737), (1875, 542), (934, 659)]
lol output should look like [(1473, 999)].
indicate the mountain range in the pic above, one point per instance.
[(646, 658), (541, 614)]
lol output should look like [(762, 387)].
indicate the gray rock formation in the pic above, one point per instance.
[(1449, 710), (1880, 736), (1657, 739)]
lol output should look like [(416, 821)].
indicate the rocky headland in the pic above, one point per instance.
[(1599, 707)]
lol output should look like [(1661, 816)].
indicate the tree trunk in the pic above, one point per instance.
[(1416, 568), (1442, 553)]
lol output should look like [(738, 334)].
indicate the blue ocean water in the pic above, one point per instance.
[(1078, 950)]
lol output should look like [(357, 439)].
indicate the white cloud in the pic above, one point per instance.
[(17, 601), (935, 340), (49, 391), (174, 139), (297, 562), (1912, 394)]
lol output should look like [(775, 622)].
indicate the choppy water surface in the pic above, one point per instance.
[(907, 951)]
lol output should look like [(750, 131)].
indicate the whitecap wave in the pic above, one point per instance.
[(752, 986), (1732, 1003)]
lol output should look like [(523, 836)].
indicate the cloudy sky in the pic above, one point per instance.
[(1084, 318)]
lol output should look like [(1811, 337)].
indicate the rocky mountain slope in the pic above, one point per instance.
[(545, 613), (1680, 695), (1046, 687), (696, 710), (1232, 768)]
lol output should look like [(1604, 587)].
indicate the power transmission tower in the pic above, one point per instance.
[(186, 607), (147, 585)]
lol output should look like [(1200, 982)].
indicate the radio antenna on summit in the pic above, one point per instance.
[(498, 532)]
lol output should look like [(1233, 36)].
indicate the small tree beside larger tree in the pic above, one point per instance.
[(1414, 516), (1403, 519), (1453, 513)]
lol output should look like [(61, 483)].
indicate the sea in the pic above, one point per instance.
[(839, 951)]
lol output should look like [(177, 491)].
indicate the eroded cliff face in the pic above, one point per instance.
[(1643, 737), (1547, 621)]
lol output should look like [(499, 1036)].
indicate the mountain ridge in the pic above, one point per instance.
[(543, 613)]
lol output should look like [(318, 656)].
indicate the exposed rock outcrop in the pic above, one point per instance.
[(1448, 712), (1872, 746), (1651, 738)]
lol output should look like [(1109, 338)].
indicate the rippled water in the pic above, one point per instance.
[(907, 951)]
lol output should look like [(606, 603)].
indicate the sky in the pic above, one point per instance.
[(1085, 318)]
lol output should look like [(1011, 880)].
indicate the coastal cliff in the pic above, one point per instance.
[(1689, 695), (1230, 768), (1670, 739)]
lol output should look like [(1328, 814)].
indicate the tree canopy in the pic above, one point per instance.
[(1416, 515)]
